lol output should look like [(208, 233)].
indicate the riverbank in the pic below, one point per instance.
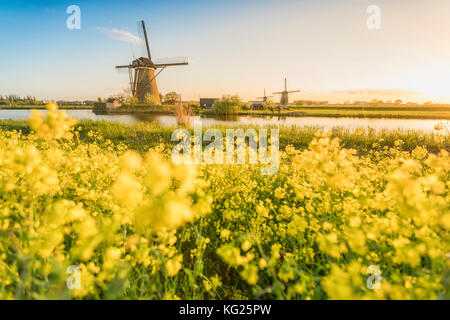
[(144, 135), (128, 109), (339, 111), (437, 112), (43, 107)]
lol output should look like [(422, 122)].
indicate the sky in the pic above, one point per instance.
[(324, 48)]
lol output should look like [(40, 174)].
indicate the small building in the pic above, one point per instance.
[(207, 103)]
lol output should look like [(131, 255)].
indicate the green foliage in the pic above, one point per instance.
[(15, 100), (171, 98), (438, 112), (99, 107), (227, 105), (131, 100), (148, 100), (142, 135), (269, 105), (145, 108)]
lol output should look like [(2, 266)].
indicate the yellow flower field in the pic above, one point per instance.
[(140, 227)]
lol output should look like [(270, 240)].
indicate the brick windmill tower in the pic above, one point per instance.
[(284, 100), (142, 72)]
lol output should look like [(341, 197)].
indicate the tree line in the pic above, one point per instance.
[(14, 100)]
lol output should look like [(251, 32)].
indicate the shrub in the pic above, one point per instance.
[(269, 105), (99, 107), (171, 98), (149, 100), (227, 105)]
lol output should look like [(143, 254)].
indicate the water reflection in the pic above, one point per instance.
[(275, 120)]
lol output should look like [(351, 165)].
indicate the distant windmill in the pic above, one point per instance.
[(142, 72), (285, 94), (265, 98)]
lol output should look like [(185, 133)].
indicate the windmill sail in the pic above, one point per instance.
[(144, 45), (176, 61), (146, 40)]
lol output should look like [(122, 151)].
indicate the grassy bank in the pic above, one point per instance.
[(441, 112), (397, 112), (142, 136), (38, 107), (163, 109)]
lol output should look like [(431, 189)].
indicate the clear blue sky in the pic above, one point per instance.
[(323, 47)]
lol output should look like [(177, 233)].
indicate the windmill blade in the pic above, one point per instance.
[(141, 48), (143, 34), (169, 65), (123, 70), (167, 62)]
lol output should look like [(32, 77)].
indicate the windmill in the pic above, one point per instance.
[(284, 100), (265, 98), (142, 72)]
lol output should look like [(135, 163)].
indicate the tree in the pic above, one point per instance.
[(269, 105), (227, 105), (132, 100), (171, 98)]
